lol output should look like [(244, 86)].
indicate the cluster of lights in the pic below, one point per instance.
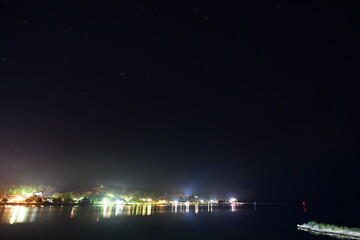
[(232, 200), (110, 199), (146, 199), (16, 199), (106, 201)]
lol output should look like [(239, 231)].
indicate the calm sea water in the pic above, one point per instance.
[(167, 222)]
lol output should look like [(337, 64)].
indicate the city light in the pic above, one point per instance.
[(232, 200), (16, 199), (27, 194), (105, 201)]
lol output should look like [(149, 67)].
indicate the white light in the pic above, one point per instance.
[(105, 201), (27, 194), (233, 200)]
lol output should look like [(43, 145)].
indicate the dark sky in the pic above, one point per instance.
[(257, 100)]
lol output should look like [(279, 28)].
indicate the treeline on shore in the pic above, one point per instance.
[(74, 193)]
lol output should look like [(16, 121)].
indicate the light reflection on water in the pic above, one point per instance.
[(24, 214), (202, 222)]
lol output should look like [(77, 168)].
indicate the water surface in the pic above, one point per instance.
[(169, 222)]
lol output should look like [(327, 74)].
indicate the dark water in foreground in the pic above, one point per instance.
[(166, 222)]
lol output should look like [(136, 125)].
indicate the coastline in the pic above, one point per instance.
[(39, 204)]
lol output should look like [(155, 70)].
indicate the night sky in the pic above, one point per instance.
[(254, 99)]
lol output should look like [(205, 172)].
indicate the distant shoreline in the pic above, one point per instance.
[(244, 204), (39, 204)]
